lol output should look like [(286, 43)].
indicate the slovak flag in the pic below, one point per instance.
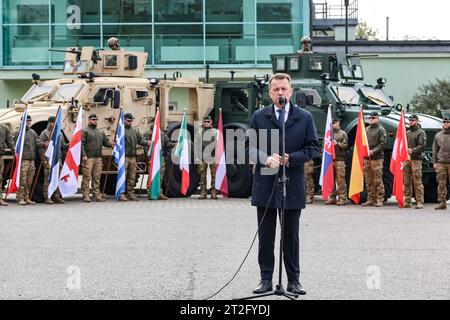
[(53, 153), (15, 181), (221, 182), (68, 179), (326, 174)]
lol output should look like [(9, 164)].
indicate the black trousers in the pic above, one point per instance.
[(291, 243)]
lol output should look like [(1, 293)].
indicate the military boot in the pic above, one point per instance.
[(342, 202), (3, 202), (86, 199), (132, 197), (28, 201), (48, 201), (407, 204), (368, 203), (441, 206), (331, 201), (162, 197), (58, 200), (202, 195), (123, 198), (419, 205), (22, 202), (214, 194), (379, 204), (309, 199)]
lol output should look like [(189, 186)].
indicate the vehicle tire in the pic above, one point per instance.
[(172, 176)]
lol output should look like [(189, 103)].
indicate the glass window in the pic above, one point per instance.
[(127, 11), (22, 11), (346, 95), (25, 45), (178, 11), (230, 11), (376, 96), (68, 91), (179, 44), (281, 10), (274, 38), (76, 12), (37, 91), (234, 44)]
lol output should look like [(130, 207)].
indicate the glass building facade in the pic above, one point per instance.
[(173, 32)]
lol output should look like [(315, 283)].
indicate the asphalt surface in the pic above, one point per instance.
[(189, 248)]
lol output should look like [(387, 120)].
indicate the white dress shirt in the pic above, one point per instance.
[(286, 111)]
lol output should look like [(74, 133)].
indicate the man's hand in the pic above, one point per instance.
[(274, 161), (334, 142), (46, 143), (370, 153), (84, 158), (286, 159), (409, 151), (436, 166)]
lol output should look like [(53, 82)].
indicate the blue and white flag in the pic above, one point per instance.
[(53, 154), (119, 157)]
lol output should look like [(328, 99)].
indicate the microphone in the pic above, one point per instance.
[(282, 101)]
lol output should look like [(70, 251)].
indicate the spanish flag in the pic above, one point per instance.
[(360, 150)]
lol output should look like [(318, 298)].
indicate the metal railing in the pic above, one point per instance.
[(326, 10)]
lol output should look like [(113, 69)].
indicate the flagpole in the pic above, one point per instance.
[(112, 150), (40, 163)]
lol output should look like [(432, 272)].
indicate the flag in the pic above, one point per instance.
[(154, 181), (119, 156), (182, 152), (221, 182), (53, 153), (326, 173), (360, 150), (68, 180), (399, 155), (15, 180)]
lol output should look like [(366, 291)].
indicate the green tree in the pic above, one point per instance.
[(363, 31), (432, 98)]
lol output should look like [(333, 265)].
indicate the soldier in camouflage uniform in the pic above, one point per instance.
[(5, 138), (309, 181), (167, 145), (340, 141), (45, 137), (132, 139), (412, 169), (373, 165), (441, 160), (92, 142), (31, 144), (205, 141)]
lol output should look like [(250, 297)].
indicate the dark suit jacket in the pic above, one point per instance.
[(301, 145)]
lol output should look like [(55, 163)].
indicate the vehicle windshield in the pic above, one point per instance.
[(347, 95), (68, 91), (377, 96), (37, 91)]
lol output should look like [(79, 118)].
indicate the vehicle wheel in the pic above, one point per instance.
[(172, 176)]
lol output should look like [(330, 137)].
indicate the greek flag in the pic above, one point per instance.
[(119, 157)]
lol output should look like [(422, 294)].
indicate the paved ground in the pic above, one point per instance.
[(187, 249)]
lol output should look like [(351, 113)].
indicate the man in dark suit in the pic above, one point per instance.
[(301, 145)]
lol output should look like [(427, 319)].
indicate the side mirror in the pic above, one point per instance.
[(116, 100)]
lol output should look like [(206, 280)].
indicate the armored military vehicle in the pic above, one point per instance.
[(101, 82), (322, 80)]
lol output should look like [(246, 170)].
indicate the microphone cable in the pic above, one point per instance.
[(251, 245)]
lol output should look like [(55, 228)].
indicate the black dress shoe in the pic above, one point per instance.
[(296, 288), (263, 286)]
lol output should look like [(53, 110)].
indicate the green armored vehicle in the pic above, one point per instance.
[(322, 80)]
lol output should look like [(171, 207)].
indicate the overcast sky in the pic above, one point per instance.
[(420, 19)]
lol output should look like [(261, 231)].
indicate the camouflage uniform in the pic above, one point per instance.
[(43, 137), (309, 180), (205, 138), (373, 165), (5, 138), (340, 186), (132, 139), (412, 169), (31, 144), (441, 156), (92, 142)]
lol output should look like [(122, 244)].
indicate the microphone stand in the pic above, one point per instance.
[(279, 289)]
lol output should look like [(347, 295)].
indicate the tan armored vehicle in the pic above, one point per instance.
[(103, 81)]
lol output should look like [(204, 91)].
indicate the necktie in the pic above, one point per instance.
[(280, 117)]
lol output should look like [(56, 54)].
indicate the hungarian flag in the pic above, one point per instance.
[(15, 180), (399, 155), (361, 150), (68, 180), (221, 182), (53, 153), (326, 174), (182, 152), (154, 181)]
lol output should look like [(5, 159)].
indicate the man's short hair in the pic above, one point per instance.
[(280, 76)]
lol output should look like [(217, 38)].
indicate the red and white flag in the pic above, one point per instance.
[(221, 183), (15, 180), (68, 179), (399, 155)]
